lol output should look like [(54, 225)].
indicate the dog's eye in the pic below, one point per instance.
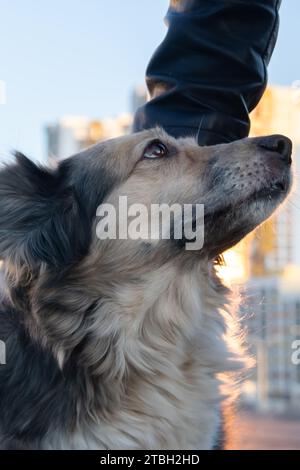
[(155, 150)]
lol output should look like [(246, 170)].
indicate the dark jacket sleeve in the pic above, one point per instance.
[(211, 69)]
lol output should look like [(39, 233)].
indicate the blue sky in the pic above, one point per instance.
[(79, 57)]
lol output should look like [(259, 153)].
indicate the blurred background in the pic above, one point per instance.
[(72, 73)]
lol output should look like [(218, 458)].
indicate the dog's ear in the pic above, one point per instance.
[(41, 219)]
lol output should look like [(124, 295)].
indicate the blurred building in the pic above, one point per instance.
[(272, 311), (72, 134), (272, 297), (276, 244), (139, 97)]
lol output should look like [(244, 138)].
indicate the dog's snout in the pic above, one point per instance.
[(278, 144)]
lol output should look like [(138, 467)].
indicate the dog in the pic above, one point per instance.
[(122, 343)]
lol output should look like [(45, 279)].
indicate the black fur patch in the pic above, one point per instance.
[(35, 396)]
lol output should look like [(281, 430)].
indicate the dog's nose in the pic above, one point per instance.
[(278, 144)]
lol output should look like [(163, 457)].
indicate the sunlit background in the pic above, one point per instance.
[(72, 73)]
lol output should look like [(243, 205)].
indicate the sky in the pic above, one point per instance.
[(74, 57)]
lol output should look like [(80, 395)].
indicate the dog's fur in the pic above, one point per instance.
[(118, 344)]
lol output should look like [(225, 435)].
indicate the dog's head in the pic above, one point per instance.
[(49, 217)]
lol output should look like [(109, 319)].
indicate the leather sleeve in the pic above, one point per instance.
[(210, 71)]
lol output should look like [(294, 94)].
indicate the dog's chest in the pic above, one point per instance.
[(171, 397), (174, 409)]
